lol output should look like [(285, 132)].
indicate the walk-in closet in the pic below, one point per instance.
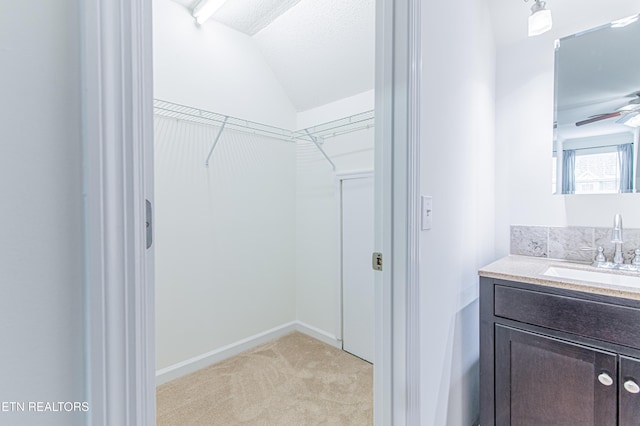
[(264, 206)]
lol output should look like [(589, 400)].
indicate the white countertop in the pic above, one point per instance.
[(531, 269)]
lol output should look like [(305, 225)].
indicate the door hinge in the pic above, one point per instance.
[(376, 261)]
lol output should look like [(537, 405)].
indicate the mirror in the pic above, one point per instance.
[(597, 110)]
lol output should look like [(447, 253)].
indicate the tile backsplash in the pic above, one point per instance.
[(566, 243)]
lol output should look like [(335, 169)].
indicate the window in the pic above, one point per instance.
[(597, 172), (608, 169)]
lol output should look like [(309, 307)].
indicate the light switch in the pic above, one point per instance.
[(427, 212)]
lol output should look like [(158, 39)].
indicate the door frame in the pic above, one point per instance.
[(117, 100), (118, 146), (397, 196)]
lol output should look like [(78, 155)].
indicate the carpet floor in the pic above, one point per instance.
[(294, 380)]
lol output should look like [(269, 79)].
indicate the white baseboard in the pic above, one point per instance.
[(190, 365), (318, 334)]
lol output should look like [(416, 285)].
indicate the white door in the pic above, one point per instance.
[(357, 273)]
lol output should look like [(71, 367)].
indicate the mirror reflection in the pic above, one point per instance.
[(597, 110)]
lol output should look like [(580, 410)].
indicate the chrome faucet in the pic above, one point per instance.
[(616, 238)]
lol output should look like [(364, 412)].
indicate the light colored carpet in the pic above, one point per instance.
[(294, 380)]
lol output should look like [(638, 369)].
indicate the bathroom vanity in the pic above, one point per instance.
[(557, 350)]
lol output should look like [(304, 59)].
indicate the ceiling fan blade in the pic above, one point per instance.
[(598, 118)]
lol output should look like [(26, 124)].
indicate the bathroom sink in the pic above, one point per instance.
[(601, 277)]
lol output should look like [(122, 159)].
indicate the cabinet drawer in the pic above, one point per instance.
[(604, 321)]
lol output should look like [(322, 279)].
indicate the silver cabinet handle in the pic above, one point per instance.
[(631, 386), (605, 379)]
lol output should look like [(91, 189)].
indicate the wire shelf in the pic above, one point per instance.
[(316, 134), (187, 113), (361, 121)]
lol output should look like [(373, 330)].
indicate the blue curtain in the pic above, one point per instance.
[(625, 165), (569, 171)]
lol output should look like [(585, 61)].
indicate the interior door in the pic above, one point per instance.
[(357, 273)]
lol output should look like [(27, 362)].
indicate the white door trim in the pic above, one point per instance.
[(397, 182), (414, 63), (117, 132)]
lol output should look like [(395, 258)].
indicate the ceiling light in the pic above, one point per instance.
[(540, 19), (632, 119), (205, 9), (620, 23)]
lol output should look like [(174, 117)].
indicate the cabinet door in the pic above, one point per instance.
[(629, 380), (540, 380)]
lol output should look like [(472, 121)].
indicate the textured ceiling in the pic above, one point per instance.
[(320, 50), (251, 16), (246, 16)]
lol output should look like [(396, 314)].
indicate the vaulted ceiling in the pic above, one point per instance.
[(320, 50)]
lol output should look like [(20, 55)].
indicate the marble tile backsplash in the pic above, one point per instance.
[(566, 243)]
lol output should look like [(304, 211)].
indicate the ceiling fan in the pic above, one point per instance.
[(631, 106)]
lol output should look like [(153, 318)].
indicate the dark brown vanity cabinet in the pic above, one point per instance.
[(545, 381), (542, 360)]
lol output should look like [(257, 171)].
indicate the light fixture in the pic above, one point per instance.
[(621, 23), (540, 18), (631, 119), (205, 9)]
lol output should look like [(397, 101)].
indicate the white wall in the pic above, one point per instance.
[(41, 211), (457, 169), (345, 107), (225, 238), (215, 68), (317, 210), (317, 241), (524, 135)]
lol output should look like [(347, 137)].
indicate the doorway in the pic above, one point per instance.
[(122, 387), (246, 230)]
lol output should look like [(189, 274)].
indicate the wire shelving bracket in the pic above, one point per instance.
[(314, 139)]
